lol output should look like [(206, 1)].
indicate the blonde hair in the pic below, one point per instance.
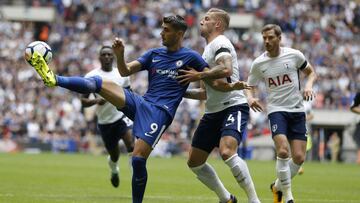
[(222, 15)]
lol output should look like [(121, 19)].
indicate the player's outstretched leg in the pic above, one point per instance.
[(74, 83), (242, 175)]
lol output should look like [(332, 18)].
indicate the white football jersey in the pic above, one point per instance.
[(108, 113), (281, 77), (216, 100)]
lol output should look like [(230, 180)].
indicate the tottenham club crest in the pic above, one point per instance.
[(286, 65), (274, 127), (179, 63)]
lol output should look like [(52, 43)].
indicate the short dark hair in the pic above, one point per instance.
[(176, 22), (105, 47), (276, 28)]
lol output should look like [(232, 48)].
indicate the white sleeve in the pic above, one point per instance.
[(301, 61), (221, 48), (254, 75)]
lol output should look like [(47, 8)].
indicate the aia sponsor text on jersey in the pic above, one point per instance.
[(279, 80)]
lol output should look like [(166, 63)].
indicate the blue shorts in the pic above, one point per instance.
[(291, 124), (228, 122), (113, 132), (150, 121)]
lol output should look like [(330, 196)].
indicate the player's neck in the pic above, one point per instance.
[(274, 53), (174, 47), (106, 69), (211, 37)]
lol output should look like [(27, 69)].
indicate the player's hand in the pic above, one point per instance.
[(101, 101), (255, 105), (241, 85), (118, 47), (308, 94), (185, 76)]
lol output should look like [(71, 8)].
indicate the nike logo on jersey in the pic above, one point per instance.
[(155, 60)]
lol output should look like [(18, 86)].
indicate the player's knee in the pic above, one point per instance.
[(114, 156), (283, 152), (192, 163), (109, 146), (298, 158), (226, 153)]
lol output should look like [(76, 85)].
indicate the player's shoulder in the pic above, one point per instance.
[(189, 52), (288, 50), (158, 50), (93, 72), (220, 40), (260, 59)]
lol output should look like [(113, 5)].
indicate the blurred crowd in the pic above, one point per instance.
[(326, 31)]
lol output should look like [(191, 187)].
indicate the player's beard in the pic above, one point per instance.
[(205, 32)]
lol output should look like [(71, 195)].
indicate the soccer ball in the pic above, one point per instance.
[(41, 47)]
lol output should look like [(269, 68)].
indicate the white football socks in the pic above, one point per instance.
[(113, 166), (284, 175), (207, 175), (241, 173), (294, 169)]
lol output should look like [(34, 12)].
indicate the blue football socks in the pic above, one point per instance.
[(139, 179), (80, 84)]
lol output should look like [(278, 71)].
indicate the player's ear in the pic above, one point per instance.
[(180, 34), (218, 23)]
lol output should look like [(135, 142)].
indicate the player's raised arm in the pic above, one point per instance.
[(311, 77), (125, 69)]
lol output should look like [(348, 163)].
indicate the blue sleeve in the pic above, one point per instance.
[(145, 60), (198, 63)]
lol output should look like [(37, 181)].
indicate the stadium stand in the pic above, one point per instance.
[(326, 31)]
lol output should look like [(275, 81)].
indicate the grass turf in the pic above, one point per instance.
[(85, 178)]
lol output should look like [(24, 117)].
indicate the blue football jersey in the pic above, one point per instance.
[(163, 65)]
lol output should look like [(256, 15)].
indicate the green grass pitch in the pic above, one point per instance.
[(85, 178)]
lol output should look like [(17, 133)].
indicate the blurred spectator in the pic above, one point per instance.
[(334, 147), (328, 31)]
